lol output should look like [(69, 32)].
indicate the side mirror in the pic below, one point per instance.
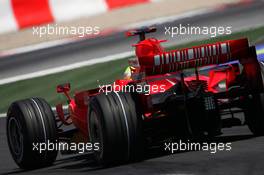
[(64, 88)]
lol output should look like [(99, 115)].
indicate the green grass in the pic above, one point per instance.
[(80, 79), (86, 77)]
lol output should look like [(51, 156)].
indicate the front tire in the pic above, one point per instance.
[(115, 123), (31, 122)]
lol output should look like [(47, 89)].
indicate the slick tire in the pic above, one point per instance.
[(254, 114), (115, 123), (29, 123)]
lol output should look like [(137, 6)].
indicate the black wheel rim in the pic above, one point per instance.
[(15, 136)]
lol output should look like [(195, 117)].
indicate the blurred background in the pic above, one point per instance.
[(19, 16)]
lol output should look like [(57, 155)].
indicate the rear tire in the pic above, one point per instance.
[(29, 122), (115, 123), (254, 114)]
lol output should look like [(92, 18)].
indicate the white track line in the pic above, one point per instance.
[(2, 115), (66, 67)]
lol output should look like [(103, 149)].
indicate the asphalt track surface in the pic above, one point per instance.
[(246, 156), (239, 18)]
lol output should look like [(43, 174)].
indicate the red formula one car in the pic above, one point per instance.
[(170, 94)]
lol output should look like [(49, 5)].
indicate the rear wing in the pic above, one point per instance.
[(141, 32), (176, 60), (204, 55)]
